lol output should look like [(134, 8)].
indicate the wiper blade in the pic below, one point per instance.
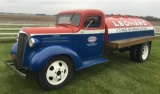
[(71, 17)]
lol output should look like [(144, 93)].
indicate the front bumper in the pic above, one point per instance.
[(11, 65)]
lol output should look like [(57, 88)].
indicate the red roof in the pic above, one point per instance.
[(82, 11)]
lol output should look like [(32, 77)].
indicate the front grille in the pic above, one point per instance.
[(21, 48)]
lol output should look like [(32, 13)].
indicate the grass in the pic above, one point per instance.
[(8, 35), (9, 31), (7, 40), (118, 76)]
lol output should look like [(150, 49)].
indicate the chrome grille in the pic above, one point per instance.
[(21, 48)]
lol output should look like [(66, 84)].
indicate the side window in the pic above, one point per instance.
[(96, 21)]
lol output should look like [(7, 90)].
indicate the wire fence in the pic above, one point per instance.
[(25, 23), (157, 30), (10, 29)]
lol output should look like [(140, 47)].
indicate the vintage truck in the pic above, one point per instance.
[(79, 39)]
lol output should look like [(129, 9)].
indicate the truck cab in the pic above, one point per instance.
[(76, 41)]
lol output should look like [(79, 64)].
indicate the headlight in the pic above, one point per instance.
[(31, 42)]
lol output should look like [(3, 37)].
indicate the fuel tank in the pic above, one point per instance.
[(124, 27)]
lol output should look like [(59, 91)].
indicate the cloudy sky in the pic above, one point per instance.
[(131, 7)]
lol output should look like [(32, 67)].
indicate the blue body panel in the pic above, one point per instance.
[(91, 50), (126, 35), (14, 48), (75, 46), (92, 62)]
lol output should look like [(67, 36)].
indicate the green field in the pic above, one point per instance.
[(10, 31), (118, 76)]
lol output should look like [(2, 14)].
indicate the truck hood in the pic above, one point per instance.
[(50, 30)]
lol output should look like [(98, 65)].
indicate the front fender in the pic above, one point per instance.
[(14, 48), (42, 56)]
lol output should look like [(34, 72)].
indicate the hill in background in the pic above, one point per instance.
[(26, 17)]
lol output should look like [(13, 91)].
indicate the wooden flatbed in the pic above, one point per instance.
[(129, 42)]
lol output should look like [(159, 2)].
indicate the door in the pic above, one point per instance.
[(92, 38)]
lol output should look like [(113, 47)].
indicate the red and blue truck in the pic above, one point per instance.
[(79, 39)]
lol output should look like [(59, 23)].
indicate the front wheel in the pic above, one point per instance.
[(56, 73)]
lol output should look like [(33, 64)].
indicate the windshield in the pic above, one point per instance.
[(73, 19)]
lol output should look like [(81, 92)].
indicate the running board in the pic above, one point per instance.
[(93, 62)]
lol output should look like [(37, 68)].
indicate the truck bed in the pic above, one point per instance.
[(129, 42)]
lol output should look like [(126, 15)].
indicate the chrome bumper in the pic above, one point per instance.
[(11, 65)]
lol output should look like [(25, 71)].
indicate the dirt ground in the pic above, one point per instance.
[(26, 17)]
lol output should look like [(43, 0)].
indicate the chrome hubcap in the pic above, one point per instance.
[(57, 72), (145, 52)]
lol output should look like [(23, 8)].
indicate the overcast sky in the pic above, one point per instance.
[(131, 7)]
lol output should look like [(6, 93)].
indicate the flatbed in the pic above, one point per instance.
[(117, 44)]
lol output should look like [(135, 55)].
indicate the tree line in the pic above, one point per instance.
[(150, 18)]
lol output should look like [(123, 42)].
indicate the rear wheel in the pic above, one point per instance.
[(133, 53), (56, 73), (143, 51)]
